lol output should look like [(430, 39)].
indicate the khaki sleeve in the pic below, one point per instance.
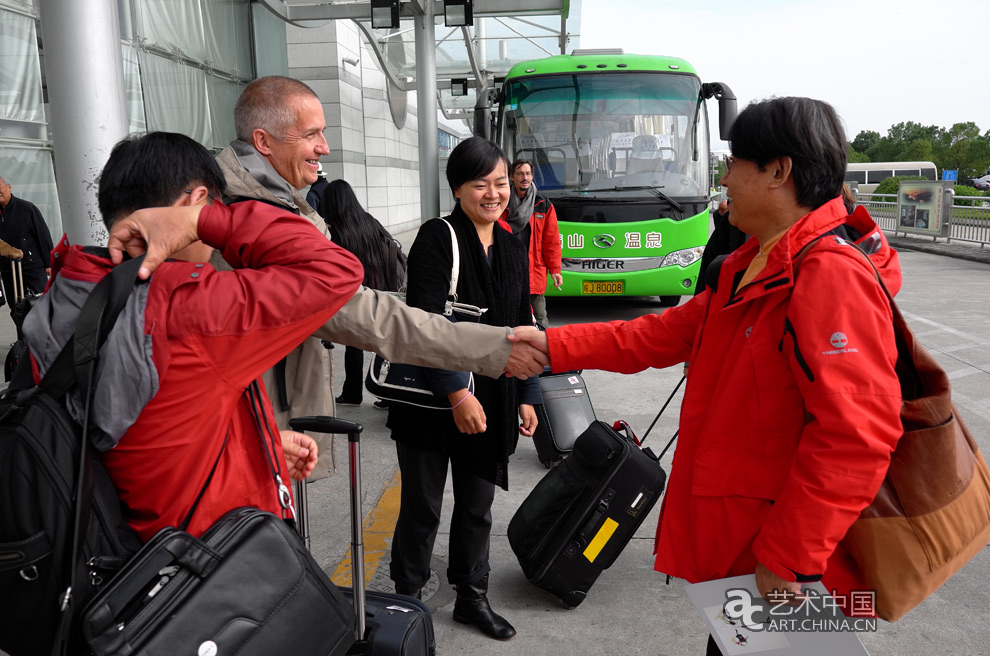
[(374, 321)]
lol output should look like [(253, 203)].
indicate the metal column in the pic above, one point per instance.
[(426, 102), (87, 101)]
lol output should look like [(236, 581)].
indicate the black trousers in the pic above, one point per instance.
[(424, 474), (353, 374)]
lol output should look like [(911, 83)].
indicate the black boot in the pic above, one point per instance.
[(472, 607), (409, 591)]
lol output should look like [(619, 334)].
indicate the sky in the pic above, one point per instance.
[(878, 62)]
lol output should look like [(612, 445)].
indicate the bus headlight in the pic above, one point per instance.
[(683, 258)]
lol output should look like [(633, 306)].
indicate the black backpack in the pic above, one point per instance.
[(18, 310), (62, 533), (394, 262)]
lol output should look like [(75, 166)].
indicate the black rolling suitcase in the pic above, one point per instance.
[(21, 302), (564, 414), (580, 516), (388, 624)]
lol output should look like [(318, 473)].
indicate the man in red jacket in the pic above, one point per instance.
[(531, 217), (171, 399), (791, 409)]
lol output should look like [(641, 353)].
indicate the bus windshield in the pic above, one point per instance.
[(609, 134)]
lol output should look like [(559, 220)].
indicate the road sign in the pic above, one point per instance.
[(950, 174)]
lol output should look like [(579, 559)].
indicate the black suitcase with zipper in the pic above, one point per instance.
[(388, 624), (580, 516), (564, 414)]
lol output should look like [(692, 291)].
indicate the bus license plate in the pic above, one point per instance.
[(601, 287)]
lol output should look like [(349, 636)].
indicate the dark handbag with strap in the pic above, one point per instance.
[(932, 512), (248, 586), (408, 383)]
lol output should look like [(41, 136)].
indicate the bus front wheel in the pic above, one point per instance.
[(669, 301)]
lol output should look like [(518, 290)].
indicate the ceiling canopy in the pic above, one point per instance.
[(504, 32)]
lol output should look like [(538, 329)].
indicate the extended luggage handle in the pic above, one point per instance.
[(324, 424), (620, 425)]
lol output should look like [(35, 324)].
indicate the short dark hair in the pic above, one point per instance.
[(153, 170), (473, 158), (265, 104), (519, 162), (806, 130)]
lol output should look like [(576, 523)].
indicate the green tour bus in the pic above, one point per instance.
[(619, 144)]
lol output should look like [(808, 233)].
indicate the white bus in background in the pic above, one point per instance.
[(868, 175)]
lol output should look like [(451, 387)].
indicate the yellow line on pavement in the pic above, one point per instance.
[(379, 524)]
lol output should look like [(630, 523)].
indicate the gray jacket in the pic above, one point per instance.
[(371, 320)]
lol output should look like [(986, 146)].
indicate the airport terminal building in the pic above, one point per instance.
[(183, 64)]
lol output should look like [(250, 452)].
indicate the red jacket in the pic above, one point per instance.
[(212, 333), (544, 243), (790, 412)]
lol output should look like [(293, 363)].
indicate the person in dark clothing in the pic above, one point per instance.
[(531, 217), (724, 239), (356, 230), (317, 189), (479, 434), (23, 227)]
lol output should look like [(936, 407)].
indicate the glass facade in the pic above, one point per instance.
[(185, 64), (25, 152)]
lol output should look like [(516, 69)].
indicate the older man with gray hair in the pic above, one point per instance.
[(280, 123), (24, 229)]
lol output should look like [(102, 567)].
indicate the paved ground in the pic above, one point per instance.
[(631, 610)]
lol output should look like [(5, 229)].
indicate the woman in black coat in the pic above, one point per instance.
[(353, 228), (479, 433)]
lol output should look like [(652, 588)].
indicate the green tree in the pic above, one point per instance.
[(965, 190), (856, 157), (919, 150), (961, 147), (719, 172), (890, 185), (864, 141)]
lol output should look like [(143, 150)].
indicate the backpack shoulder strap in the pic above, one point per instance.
[(76, 363)]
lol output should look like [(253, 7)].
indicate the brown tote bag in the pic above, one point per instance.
[(932, 512)]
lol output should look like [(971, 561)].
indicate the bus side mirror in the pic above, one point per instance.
[(726, 106), (483, 112)]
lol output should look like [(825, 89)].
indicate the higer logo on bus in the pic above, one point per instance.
[(603, 264)]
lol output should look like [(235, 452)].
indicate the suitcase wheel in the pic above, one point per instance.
[(573, 599)]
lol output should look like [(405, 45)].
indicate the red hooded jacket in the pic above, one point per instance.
[(791, 408), (544, 243)]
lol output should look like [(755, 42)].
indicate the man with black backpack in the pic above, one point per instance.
[(169, 403)]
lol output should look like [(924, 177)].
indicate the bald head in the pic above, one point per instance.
[(265, 104)]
